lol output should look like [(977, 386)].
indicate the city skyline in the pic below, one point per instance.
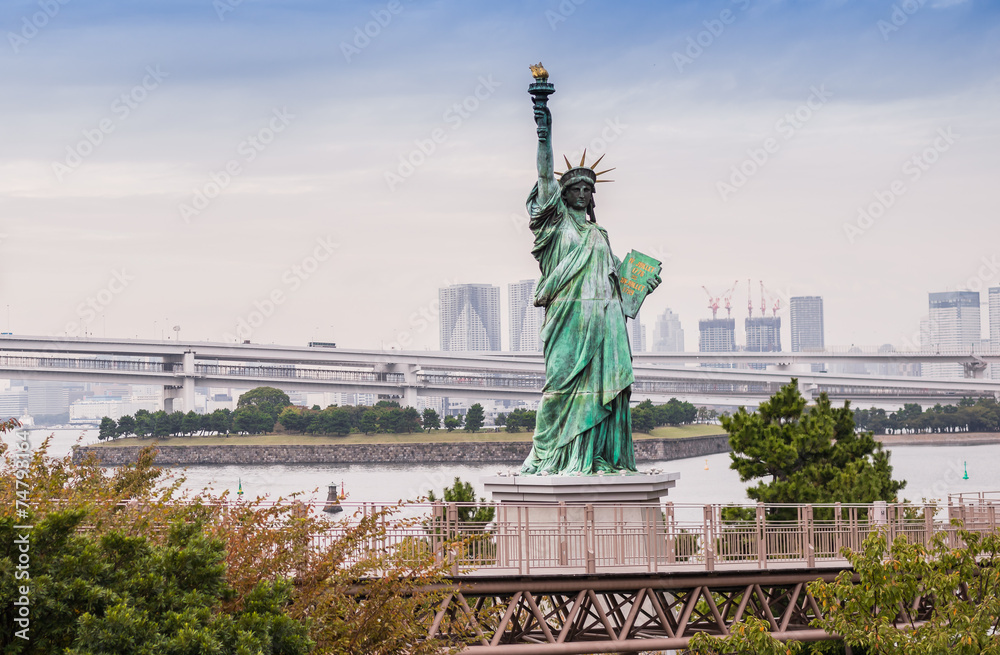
[(228, 168)]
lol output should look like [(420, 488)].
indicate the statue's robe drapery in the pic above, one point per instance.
[(583, 422)]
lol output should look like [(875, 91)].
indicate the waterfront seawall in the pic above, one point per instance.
[(646, 450)]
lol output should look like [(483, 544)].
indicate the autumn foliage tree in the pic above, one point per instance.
[(916, 599), (123, 563)]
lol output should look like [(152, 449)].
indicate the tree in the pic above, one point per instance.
[(409, 420), (431, 419), (452, 422), (126, 426), (159, 424), (295, 419), (267, 399), (175, 423), (191, 423), (339, 421), (521, 418), (879, 611), (143, 423), (221, 421), (252, 420), (120, 593), (751, 635), (367, 423), (468, 511), (108, 429), (474, 418), (811, 455), (152, 575), (642, 420)]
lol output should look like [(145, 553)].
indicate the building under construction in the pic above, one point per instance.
[(763, 334), (717, 335)]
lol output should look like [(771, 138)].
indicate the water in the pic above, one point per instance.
[(930, 472)]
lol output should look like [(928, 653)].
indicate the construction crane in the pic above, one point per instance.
[(775, 301), (749, 299), (713, 303), (728, 297)]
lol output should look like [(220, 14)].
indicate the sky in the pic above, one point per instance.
[(294, 171)]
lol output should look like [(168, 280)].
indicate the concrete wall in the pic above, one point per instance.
[(646, 450)]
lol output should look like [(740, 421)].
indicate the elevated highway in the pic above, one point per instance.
[(701, 378)]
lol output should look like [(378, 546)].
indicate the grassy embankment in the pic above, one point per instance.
[(435, 436)]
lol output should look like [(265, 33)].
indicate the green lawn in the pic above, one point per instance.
[(436, 436)]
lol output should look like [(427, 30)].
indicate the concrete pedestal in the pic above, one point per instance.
[(587, 522)]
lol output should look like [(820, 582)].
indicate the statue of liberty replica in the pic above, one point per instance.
[(584, 425)]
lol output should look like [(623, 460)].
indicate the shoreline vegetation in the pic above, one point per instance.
[(432, 436)]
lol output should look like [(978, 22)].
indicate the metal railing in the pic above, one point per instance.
[(593, 538), (29, 362)]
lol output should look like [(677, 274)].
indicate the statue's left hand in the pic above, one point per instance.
[(655, 282)]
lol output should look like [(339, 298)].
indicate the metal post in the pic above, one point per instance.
[(669, 527), (563, 546), (838, 526), (589, 538), (810, 536), (761, 537), (707, 529)]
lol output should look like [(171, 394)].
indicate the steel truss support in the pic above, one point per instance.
[(625, 614)]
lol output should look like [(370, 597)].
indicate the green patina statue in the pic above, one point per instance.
[(584, 425)]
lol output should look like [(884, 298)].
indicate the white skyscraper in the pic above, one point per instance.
[(954, 325), (994, 306), (636, 333), (470, 317), (668, 335), (525, 319), (807, 323)]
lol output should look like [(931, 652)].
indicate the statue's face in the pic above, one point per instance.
[(578, 196)]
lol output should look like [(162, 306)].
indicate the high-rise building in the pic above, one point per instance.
[(994, 307), (668, 335), (48, 398), (525, 319), (763, 334), (717, 335), (470, 317), (807, 323), (636, 333), (955, 324)]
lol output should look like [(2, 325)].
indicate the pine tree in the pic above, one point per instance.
[(810, 454)]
